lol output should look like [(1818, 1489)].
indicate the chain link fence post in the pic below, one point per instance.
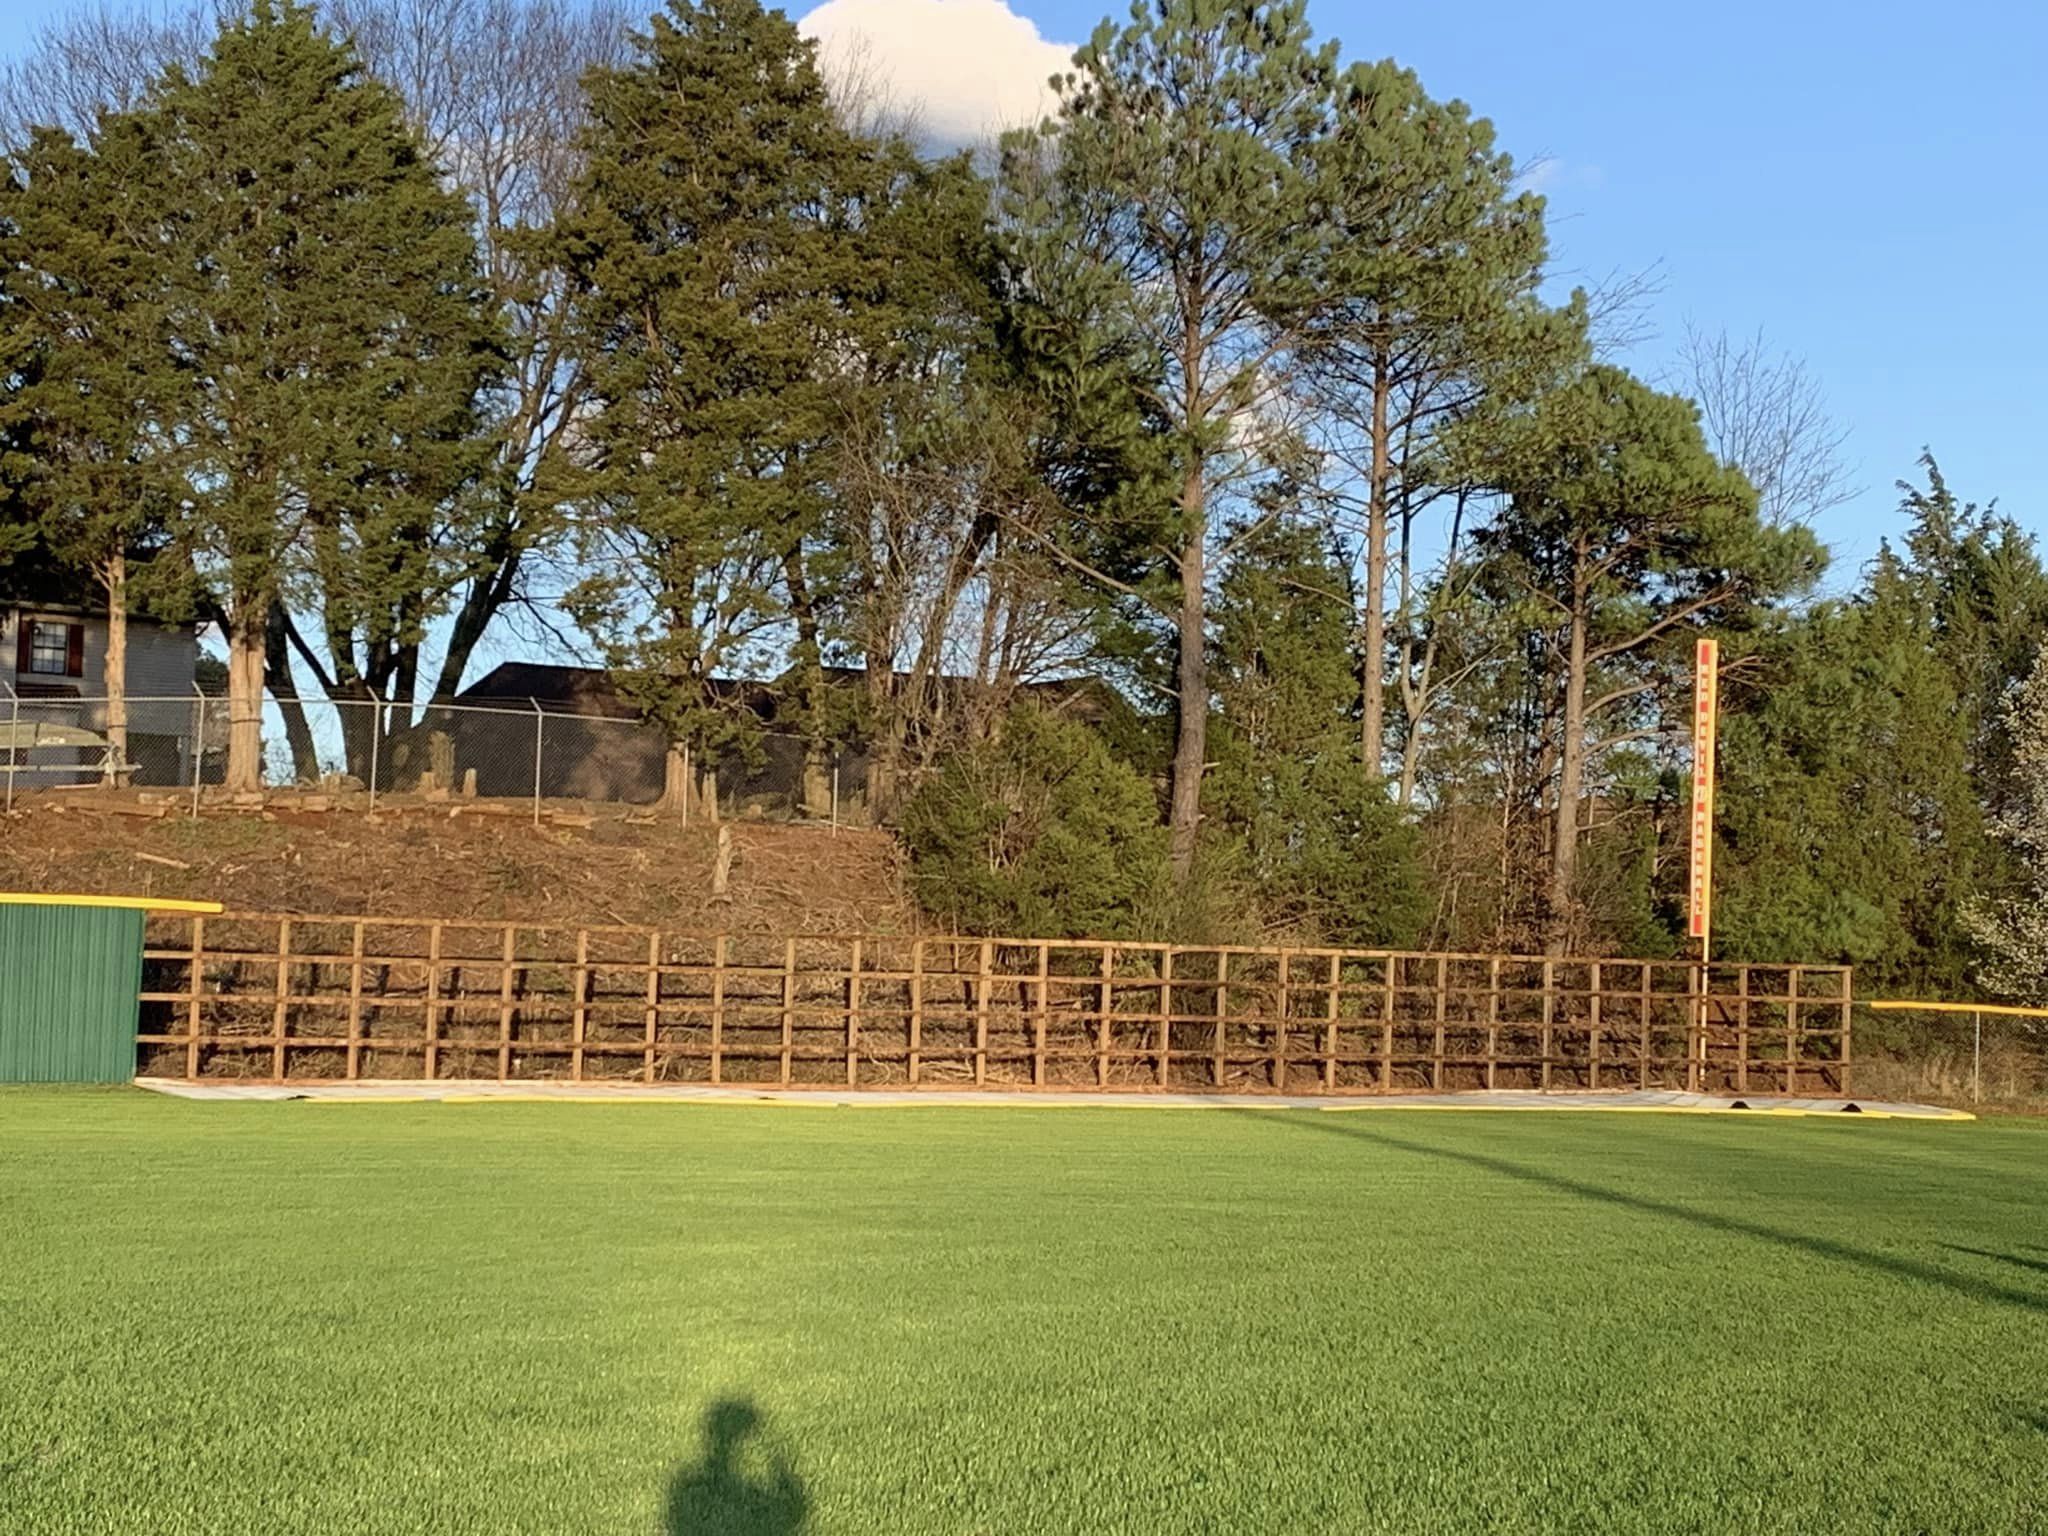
[(198, 745), (540, 726), (376, 737), (13, 741)]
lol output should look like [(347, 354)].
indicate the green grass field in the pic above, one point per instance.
[(668, 1318)]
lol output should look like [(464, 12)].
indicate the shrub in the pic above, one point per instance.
[(1040, 830)]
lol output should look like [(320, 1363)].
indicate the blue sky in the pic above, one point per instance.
[(1867, 184)]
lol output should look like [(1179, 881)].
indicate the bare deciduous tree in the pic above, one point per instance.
[(1764, 414)]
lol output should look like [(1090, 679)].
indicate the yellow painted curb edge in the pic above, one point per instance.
[(135, 903)]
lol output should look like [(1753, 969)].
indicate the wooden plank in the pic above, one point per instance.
[(981, 988), (653, 997), (431, 1054), (718, 1009), (1222, 1011), (1038, 1019), (1280, 1032), (1330, 999), (579, 1018), (916, 1006), (508, 952), (284, 972), (788, 1005), (355, 1009), (1443, 999), (1549, 1023), (853, 1020), (1102, 995), (198, 985)]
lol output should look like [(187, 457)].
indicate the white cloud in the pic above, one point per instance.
[(961, 70)]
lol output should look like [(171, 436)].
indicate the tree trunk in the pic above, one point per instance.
[(1191, 725), (246, 628), (675, 780), (117, 667), (1372, 730), (278, 674), (1571, 757)]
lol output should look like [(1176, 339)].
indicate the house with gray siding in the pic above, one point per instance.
[(53, 661)]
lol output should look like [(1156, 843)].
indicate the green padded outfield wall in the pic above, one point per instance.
[(69, 979)]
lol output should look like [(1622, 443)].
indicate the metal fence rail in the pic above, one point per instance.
[(280, 997), (525, 752)]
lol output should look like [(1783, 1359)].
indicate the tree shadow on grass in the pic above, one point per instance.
[(1804, 1242), (714, 1496), (2038, 1266)]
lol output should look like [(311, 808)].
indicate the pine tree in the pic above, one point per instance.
[(1437, 260), (1172, 208), (1622, 537)]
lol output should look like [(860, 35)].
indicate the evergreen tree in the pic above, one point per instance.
[(709, 280), (1173, 207), (1329, 856), (1866, 753), (1436, 260), (86, 371), (1621, 539), (321, 304)]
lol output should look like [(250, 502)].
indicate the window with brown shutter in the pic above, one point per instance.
[(49, 648)]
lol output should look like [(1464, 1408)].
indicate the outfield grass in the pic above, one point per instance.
[(670, 1318)]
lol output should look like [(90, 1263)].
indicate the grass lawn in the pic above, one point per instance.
[(669, 1318)]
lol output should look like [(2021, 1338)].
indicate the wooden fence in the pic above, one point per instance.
[(273, 997)]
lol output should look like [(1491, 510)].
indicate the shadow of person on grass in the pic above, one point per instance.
[(714, 1496)]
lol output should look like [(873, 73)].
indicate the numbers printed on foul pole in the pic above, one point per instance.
[(1705, 686)]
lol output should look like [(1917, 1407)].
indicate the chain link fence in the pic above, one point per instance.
[(381, 752)]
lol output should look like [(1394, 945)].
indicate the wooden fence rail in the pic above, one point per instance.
[(278, 997)]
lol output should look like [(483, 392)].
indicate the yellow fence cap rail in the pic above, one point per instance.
[(130, 903), (1905, 1005)]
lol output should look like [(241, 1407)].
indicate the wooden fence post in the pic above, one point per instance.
[(981, 990), (1330, 1023), (1102, 996), (507, 954), (788, 1008), (1443, 998), (1165, 1013), (1392, 964), (1549, 1023), (431, 1054), (916, 1005), (853, 1019), (1038, 1019), (653, 997), (1222, 1010), (1492, 1022), (1280, 1029), (1593, 1036), (284, 976), (580, 1017), (355, 1004), (198, 988), (1792, 1035), (718, 1009)]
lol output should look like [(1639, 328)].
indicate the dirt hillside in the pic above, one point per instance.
[(466, 860)]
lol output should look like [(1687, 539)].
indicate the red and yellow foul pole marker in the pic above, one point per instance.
[(1705, 707)]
